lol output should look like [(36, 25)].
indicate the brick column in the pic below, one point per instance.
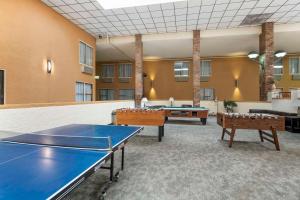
[(266, 47), (138, 70), (196, 67)]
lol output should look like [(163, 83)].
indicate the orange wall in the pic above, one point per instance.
[(224, 72), (286, 82), (222, 80), (31, 33), (164, 84)]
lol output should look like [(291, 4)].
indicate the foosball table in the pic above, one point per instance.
[(260, 122), (142, 117)]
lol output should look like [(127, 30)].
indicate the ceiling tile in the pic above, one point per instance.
[(172, 17)]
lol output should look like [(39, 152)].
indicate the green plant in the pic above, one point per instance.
[(229, 105)]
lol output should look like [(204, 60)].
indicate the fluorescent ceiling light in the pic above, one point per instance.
[(253, 55), (182, 69), (278, 66), (112, 4), (280, 54)]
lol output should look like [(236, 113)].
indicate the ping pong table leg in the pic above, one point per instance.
[(123, 154), (112, 167)]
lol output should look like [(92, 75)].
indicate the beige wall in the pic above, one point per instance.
[(224, 72), (31, 33)]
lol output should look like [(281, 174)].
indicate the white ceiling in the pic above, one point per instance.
[(229, 42), (182, 16)]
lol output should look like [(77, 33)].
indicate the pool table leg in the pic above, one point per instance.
[(203, 121), (160, 133)]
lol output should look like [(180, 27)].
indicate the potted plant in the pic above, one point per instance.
[(229, 105)]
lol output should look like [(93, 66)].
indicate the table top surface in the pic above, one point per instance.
[(38, 171), (177, 108), (186, 108)]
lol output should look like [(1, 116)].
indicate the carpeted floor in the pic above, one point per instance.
[(192, 163)]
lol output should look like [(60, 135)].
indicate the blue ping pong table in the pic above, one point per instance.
[(49, 164)]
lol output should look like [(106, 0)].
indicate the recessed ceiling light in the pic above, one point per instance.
[(112, 4)]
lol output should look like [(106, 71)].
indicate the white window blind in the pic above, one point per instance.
[(106, 94), (205, 66), (86, 54), (207, 94), (83, 92), (88, 92), (278, 67), (294, 65), (79, 91), (181, 69), (107, 71), (126, 94), (125, 70)]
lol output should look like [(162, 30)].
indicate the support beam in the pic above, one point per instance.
[(196, 67), (266, 47), (138, 70)]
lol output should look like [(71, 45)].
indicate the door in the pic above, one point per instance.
[(1, 86)]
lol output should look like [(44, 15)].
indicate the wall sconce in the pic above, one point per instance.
[(97, 77), (151, 83), (49, 66), (236, 83)]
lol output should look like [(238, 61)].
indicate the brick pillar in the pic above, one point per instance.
[(196, 67), (138, 70), (266, 47)]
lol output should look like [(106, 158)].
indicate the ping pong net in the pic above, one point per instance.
[(64, 141)]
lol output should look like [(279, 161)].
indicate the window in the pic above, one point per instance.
[(84, 92), (125, 70), (107, 71), (126, 94), (294, 65), (86, 54), (1, 86), (181, 70), (205, 68), (106, 94), (207, 94), (88, 92), (278, 66)]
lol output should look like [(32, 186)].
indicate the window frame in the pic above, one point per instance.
[(133, 95), (119, 70), (210, 68), (106, 90), (281, 59), (80, 41), (298, 57), (4, 86), (181, 77), (84, 92), (213, 94), (113, 75)]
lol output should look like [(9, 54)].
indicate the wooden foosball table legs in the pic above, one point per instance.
[(271, 137)]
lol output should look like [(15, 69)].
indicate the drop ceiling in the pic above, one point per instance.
[(181, 16)]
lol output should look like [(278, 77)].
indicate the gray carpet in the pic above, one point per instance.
[(192, 163)]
